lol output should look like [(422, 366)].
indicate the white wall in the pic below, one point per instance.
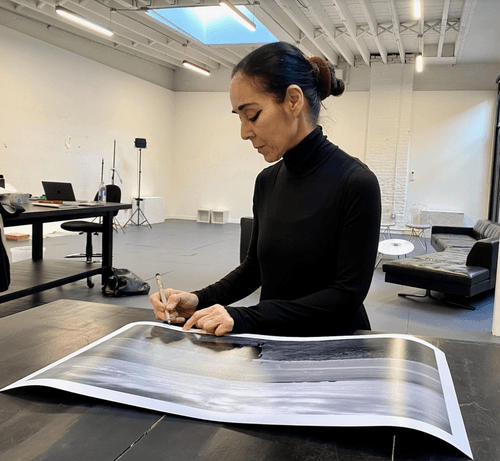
[(61, 114), (452, 139), (344, 120), (213, 167)]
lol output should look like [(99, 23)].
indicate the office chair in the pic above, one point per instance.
[(113, 194)]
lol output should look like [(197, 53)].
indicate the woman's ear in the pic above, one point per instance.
[(294, 100)]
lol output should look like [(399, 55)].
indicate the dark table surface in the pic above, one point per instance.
[(47, 424)]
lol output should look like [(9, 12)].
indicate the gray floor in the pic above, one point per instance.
[(191, 255)]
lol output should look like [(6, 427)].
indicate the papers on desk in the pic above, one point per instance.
[(368, 380)]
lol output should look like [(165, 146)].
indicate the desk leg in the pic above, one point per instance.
[(37, 242), (107, 246)]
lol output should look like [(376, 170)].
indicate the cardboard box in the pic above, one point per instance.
[(17, 237)]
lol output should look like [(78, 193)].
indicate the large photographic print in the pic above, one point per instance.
[(368, 380)]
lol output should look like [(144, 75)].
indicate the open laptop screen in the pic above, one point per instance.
[(58, 191)]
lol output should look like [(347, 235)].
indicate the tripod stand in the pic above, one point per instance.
[(140, 214)]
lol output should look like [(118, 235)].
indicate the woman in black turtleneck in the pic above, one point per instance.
[(316, 213)]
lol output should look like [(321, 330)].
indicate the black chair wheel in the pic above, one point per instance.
[(90, 284)]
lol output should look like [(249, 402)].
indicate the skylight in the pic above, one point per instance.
[(212, 25)]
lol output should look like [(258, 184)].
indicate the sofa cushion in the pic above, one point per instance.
[(486, 229), (450, 256), (438, 270), (443, 241)]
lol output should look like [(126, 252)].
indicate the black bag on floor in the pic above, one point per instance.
[(122, 282)]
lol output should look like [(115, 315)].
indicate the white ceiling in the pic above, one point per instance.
[(352, 31)]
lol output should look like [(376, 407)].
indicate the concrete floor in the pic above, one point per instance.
[(191, 255)]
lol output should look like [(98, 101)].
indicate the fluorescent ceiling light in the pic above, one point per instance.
[(83, 21), (196, 68), (417, 11), (419, 62), (238, 15)]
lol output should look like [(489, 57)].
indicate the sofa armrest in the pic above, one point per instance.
[(484, 253), (452, 230)]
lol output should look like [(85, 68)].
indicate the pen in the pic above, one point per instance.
[(162, 294)]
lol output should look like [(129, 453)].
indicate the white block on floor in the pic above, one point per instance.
[(219, 216), (203, 216)]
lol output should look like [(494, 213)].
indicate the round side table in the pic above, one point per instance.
[(394, 247)]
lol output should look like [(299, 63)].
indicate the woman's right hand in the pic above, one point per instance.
[(180, 304)]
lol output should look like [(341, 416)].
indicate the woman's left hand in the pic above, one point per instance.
[(214, 320)]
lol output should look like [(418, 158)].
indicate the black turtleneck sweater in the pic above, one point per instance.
[(313, 247)]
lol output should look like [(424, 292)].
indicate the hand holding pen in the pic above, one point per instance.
[(171, 305), (162, 295)]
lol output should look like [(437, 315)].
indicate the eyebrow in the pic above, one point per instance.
[(240, 108)]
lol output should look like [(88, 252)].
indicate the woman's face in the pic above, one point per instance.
[(271, 127)]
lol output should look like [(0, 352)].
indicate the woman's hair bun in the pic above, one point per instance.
[(328, 83), (338, 86)]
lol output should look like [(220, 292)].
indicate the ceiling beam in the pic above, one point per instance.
[(371, 19), (465, 21), (280, 25), (170, 42), (442, 32), (421, 23), (329, 29), (396, 29), (313, 34), (350, 24)]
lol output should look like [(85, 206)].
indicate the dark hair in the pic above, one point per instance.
[(275, 66)]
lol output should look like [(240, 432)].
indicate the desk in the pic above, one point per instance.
[(36, 275), (48, 424)]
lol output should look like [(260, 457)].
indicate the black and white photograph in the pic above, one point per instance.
[(383, 380)]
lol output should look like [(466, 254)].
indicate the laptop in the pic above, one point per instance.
[(59, 191)]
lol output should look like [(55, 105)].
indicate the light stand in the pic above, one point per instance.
[(139, 143), (115, 221)]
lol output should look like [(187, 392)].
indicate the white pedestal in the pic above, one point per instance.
[(220, 216), (446, 218), (203, 216), (152, 207)]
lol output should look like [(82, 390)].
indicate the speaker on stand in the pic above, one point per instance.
[(140, 143)]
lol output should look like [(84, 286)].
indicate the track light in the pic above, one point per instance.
[(417, 10), (419, 62), (83, 21), (196, 68), (238, 15)]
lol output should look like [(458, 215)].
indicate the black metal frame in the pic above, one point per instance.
[(37, 274), (494, 208)]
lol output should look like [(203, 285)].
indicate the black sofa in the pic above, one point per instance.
[(465, 262)]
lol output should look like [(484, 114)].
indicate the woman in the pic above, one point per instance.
[(316, 213)]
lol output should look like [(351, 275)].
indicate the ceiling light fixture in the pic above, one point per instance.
[(83, 21), (417, 11), (196, 68), (419, 62), (238, 15)]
